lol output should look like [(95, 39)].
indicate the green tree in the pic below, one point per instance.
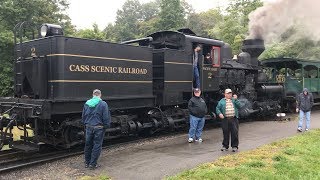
[(233, 28), (203, 23), (303, 48), (15, 11), (149, 20), (172, 15), (126, 25), (110, 33), (94, 33), (149, 10)]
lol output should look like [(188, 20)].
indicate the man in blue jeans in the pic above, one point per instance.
[(197, 109), (304, 105), (195, 62), (96, 118)]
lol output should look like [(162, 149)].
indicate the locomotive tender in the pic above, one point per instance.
[(147, 83)]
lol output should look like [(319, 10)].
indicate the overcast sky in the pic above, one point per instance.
[(84, 13)]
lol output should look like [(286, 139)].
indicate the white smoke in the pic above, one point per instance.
[(271, 20)]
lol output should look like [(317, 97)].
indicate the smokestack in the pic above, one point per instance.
[(254, 47)]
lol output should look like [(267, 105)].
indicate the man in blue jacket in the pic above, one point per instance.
[(96, 118), (227, 109)]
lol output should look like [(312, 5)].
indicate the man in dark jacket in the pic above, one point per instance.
[(198, 109), (227, 110), (304, 105), (96, 118)]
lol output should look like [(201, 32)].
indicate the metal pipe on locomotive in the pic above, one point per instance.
[(147, 85)]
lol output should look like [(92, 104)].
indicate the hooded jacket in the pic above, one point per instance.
[(96, 113), (305, 102)]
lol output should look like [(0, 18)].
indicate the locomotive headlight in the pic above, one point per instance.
[(50, 30), (43, 30)]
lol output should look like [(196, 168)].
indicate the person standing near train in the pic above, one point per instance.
[(198, 109), (304, 105), (227, 110), (195, 62), (96, 118)]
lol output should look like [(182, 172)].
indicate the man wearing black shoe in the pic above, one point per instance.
[(227, 109), (96, 118)]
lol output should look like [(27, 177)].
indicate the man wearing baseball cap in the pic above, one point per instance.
[(227, 109), (198, 109)]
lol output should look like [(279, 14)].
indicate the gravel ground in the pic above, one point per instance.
[(154, 159), (73, 167)]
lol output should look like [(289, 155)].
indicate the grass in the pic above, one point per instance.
[(297, 157), (101, 177)]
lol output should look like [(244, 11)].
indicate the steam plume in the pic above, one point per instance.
[(271, 20)]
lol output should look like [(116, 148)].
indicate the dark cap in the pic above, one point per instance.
[(196, 90)]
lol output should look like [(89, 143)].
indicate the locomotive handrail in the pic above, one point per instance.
[(19, 31), (149, 39)]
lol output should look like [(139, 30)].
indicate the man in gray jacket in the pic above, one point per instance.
[(304, 105)]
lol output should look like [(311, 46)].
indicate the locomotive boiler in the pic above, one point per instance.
[(147, 83)]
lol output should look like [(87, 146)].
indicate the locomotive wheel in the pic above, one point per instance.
[(73, 136), (177, 113)]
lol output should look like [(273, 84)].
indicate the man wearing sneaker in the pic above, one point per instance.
[(96, 118), (197, 109), (227, 109), (304, 105)]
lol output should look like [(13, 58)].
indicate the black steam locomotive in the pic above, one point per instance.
[(147, 83)]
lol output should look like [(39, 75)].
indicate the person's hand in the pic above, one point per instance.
[(221, 116), (297, 109), (235, 96)]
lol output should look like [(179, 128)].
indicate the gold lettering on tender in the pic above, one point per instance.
[(71, 67), (92, 69), (114, 70), (120, 70), (107, 69)]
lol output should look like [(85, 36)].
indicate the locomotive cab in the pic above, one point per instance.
[(209, 66)]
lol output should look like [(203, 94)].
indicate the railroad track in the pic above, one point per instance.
[(12, 160), (11, 153)]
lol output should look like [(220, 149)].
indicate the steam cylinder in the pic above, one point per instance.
[(271, 90)]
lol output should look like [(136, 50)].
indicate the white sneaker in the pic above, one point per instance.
[(190, 140), (200, 140), (299, 129), (307, 129)]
